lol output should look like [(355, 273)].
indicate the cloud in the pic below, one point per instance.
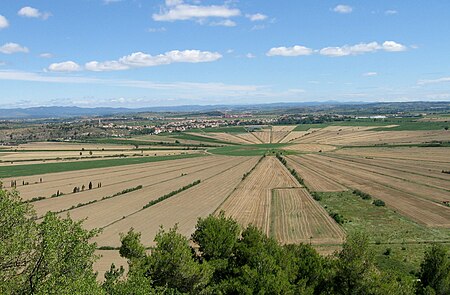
[(393, 46), (156, 30), (434, 81), (256, 17), (289, 51), (140, 59), (3, 22), (178, 10), (370, 74), (343, 9), (362, 48), (250, 55), (46, 55), (390, 12), (67, 66), (28, 11), (10, 48), (224, 23)]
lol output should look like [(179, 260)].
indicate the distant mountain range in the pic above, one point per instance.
[(60, 112)]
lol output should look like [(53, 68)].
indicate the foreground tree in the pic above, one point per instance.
[(52, 257), (435, 271)]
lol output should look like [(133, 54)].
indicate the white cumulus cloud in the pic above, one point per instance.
[(370, 74), (393, 46), (10, 48), (67, 66), (343, 9), (140, 59), (256, 17), (289, 51), (178, 10), (390, 46), (3, 22), (28, 11), (46, 55)]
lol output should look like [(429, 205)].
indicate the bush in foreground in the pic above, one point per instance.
[(56, 257)]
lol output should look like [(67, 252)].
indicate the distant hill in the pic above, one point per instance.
[(59, 112)]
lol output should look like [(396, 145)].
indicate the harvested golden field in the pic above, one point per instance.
[(222, 136), (310, 147), (183, 208), (264, 136), (30, 156), (293, 135), (281, 128), (105, 212), (408, 193), (426, 154), (278, 136), (249, 137), (66, 146), (362, 136), (314, 180), (109, 177), (297, 218)]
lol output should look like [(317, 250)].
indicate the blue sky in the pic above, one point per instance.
[(136, 53)]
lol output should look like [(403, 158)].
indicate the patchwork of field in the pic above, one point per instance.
[(249, 137), (31, 156), (293, 135), (264, 136), (183, 208), (66, 146), (413, 191), (310, 147), (222, 136), (365, 136), (410, 180), (271, 199)]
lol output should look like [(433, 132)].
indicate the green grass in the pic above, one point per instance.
[(35, 169), (251, 149), (305, 127), (386, 229)]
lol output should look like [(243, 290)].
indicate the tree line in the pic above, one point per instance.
[(55, 256)]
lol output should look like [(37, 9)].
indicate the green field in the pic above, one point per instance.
[(35, 169), (386, 229), (251, 149)]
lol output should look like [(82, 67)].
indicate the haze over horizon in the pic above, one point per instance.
[(133, 53)]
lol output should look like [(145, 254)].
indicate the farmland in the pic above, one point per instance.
[(146, 181)]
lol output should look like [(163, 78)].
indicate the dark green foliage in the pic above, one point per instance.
[(316, 196), (131, 245), (435, 271), (337, 217), (55, 257), (172, 193), (50, 257), (379, 203), (363, 195)]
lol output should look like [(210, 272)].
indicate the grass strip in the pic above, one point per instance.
[(36, 169)]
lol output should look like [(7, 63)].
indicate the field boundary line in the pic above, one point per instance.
[(409, 181), (238, 185), (201, 182)]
